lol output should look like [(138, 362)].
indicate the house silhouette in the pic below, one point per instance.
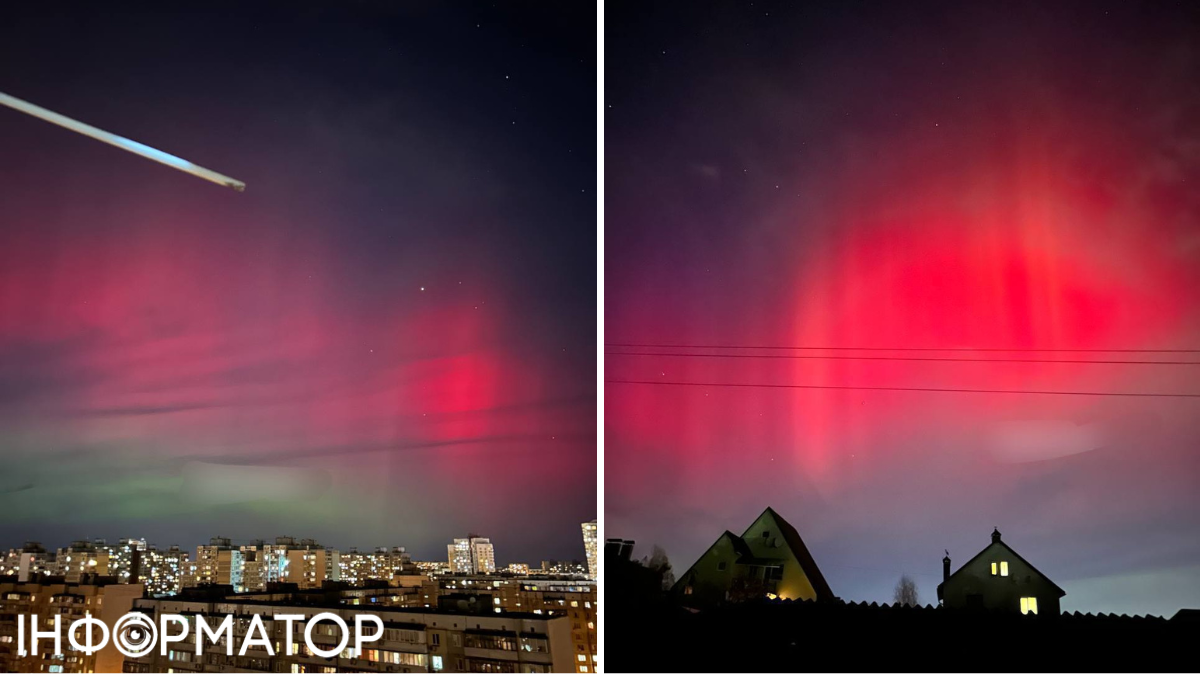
[(769, 560), (999, 579)]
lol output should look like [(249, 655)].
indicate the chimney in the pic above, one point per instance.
[(612, 547), (995, 535), (946, 567)]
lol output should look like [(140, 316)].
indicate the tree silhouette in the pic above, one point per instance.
[(906, 592), (659, 563)]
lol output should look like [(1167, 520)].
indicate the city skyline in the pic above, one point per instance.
[(501, 562)]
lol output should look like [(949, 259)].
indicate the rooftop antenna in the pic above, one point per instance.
[(121, 142)]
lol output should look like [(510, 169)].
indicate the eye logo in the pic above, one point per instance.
[(135, 635)]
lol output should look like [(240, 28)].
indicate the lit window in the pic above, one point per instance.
[(993, 569), (583, 669), (1029, 605), (437, 663), (1004, 568)]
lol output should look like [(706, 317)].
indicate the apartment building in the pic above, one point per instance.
[(30, 562), (309, 564), (79, 558), (473, 555), (571, 598), (122, 561), (217, 563), (591, 535), (380, 565), (162, 572), (101, 597), (415, 640)]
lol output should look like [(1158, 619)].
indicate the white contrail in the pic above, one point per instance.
[(121, 142)]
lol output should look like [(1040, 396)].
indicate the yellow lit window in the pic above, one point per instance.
[(1029, 605), (582, 658), (993, 569), (1004, 568)]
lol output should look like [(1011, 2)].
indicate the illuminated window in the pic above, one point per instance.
[(993, 569), (437, 663), (1004, 568), (1029, 605), (582, 658)]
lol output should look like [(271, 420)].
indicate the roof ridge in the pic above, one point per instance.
[(798, 548), (1010, 549)]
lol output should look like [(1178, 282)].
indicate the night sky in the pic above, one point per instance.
[(388, 339), (1010, 175)]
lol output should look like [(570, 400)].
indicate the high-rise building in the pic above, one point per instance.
[(274, 560), (355, 566), (380, 565), (162, 572), (31, 562), (415, 640), (309, 564), (217, 563), (81, 557), (387, 563), (590, 537), (473, 555), (253, 571), (542, 596), (100, 597), (121, 561)]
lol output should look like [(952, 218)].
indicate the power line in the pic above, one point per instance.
[(907, 358), (1136, 394), (901, 349)]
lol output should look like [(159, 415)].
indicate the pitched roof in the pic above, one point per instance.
[(1061, 592), (796, 544), (739, 547)]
